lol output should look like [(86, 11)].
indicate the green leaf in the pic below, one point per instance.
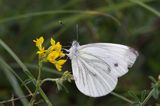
[(143, 95), (153, 79), (156, 93)]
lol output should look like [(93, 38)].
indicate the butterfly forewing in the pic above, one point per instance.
[(118, 57)]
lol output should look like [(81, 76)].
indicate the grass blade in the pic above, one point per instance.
[(13, 81), (56, 12), (26, 71), (146, 7), (34, 66)]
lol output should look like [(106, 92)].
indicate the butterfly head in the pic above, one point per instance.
[(73, 51), (75, 43)]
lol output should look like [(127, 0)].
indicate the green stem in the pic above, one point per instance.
[(149, 95), (38, 82), (122, 97), (45, 97), (49, 79)]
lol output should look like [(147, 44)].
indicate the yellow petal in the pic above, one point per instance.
[(39, 42), (59, 64), (58, 46), (53, 45), (58, 67), (61, 54), (52, 41), (41, 50), (52, 56)]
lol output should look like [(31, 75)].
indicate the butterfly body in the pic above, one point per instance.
[(97, 66)]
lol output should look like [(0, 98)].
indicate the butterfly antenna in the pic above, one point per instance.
[(77, 31)]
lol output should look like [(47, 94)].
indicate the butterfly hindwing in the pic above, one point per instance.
[(92, 76)]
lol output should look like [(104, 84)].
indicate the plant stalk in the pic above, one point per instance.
[(149, 95), (122, 97), (38, 82)]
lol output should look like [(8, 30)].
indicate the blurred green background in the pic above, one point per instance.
[(135, 23)]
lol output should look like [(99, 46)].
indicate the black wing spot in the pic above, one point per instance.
[(116, 64)]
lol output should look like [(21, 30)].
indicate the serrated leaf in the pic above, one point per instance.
[(134, 96), (143, 95), (156, 93), (152, 79)]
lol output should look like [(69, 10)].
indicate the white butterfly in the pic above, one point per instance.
[(97, 66)]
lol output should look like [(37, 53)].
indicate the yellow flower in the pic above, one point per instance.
[(53, 56), (58, 46), (41, 51), (59, 64), (52, 42), (55, 46), (39, 42)]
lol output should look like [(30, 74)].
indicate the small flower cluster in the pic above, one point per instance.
[(67, 76), (53, 54)]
